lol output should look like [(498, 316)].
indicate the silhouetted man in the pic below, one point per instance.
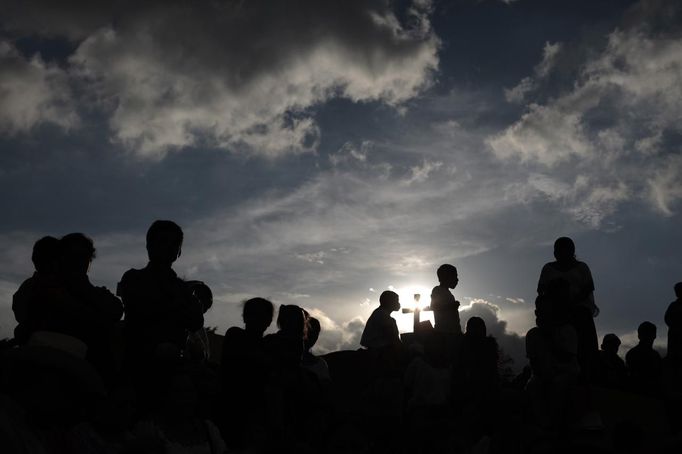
[(160, 309), (644, 363), (611, 371), (673, 318), (443, 304), (381, 330)]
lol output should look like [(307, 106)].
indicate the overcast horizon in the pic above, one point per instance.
[(318, 153)]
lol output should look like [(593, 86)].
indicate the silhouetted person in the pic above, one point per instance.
[(310, 362), (644, 363), (443, 304), (476, 379), (286, 345), (611, 371), (45, 258), (160, 309), (95, 309), (673, 318), (381, 330), (62, 301), (245, 369), (198, 348), (580, 294), (476, 365)]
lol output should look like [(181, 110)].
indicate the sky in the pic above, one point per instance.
[(318, 153)]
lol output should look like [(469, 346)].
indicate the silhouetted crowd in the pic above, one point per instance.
[(137, 372)]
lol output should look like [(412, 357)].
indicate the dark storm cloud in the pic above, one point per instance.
[(238, 75)]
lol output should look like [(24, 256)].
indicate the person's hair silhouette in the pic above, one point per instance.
[(291, 320), (564, 250), (678, 290), (312, 333), (389, 300), (646, 332), (476, 328)]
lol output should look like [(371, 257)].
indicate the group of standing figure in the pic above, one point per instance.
[(81, 380)]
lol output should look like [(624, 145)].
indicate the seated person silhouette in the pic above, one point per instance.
[(644, 364), (673, 318), (160, 309), (443, 304), (318, 366), (45, 258), (244, 370), (580, 294), (611, 371), (381, 330)]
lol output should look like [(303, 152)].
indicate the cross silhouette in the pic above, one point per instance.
[(416, 312)]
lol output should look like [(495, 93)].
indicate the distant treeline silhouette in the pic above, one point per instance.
[(88, 371)]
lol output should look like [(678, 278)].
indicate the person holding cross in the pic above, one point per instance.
[(443, 304)]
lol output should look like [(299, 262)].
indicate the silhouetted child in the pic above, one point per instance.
[(381, 330), (611, 371), (160, 309), (45, 258), (580, 294), (443, 304), (673, 318), (245, 370), (644, 363)]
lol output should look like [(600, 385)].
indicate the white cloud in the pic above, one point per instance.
[(518, 93), (169, 82), (33, 92), (603, 141)]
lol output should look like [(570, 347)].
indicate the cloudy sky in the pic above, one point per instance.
[(317, 153)]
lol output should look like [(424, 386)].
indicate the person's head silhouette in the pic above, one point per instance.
[(476, 328), (646, 334), (312, 333), (447, 275), (257, 315), (610, 343), (291, 320), (678, 290), (45, 254), (564, 250), (76, 252), (164, 242), (389, 300)]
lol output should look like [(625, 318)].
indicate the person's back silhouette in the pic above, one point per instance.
[(644, 363), (160, 309), (673, 318)]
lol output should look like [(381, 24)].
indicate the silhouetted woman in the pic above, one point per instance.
[(580, 297)]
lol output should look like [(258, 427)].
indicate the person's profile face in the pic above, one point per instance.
[(452, 279)]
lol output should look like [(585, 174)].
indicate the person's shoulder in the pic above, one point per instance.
[(582, 266)]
